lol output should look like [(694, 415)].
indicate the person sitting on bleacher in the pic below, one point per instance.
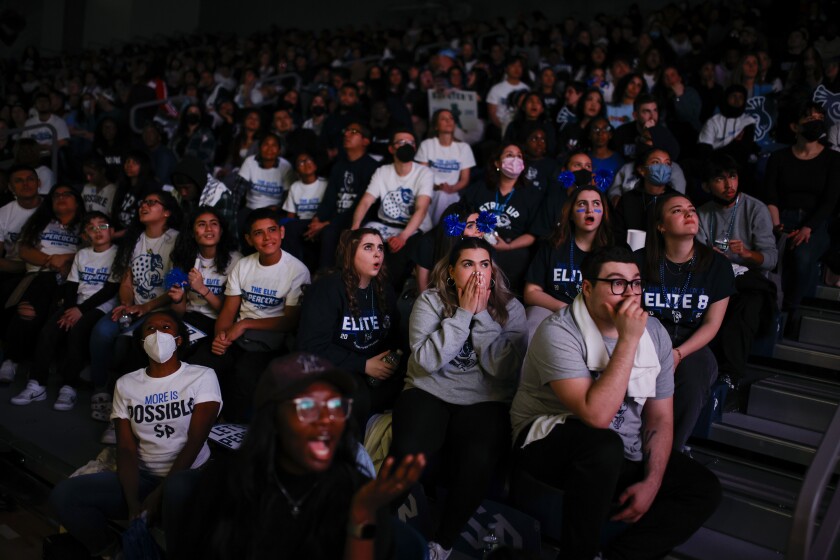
[(593, 416), (162, 414), (739, 227), (467, 337), (687, 287)]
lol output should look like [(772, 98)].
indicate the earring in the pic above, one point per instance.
[(450, 282), (497, 170)]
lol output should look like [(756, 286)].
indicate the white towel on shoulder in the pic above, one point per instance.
[(646, 366)]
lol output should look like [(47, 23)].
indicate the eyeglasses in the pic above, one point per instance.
[(599, 130), (400, 143), (100, 227), (309, 410), (150, 202), (304, 161), (62, 194), (351, 131), (619, 286)]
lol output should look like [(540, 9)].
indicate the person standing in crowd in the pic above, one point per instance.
[(687, 288), (193, 137), (593, 416), (500, 110), (449, 160), (467, 338)]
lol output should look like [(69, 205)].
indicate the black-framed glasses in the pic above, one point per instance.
[(97, 227), (618, 286), (310, 410)]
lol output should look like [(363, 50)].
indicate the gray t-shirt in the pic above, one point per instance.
[(556, 352)]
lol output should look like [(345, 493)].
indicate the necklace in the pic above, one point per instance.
[(675, 312), (731, 227), (294, 505), (150, 249)]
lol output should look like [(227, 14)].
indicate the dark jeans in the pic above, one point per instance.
[(22, 332), (800, 272), (76, 345), (475, 437), (588, 464), (693, 380)]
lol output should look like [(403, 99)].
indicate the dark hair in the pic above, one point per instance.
[(258, 214), (95, 161), (590, 268), (186, 248), (18, 167), (401, 130), (443, 241), (582, 102), (808, 108), (258, 155), (248, 492), (345, 254), (621, 88), (643, 99), (564, 229), (492, 172), (182, 330), (31, 232), (500, 295), (718, 164), (129, 241), (655, 241), (94, 215)]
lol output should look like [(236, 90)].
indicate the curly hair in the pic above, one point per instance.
[(348, 244), (186, 247), (500, 294)]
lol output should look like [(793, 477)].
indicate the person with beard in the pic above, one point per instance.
[(405, 190), (730, 130), (739, 226), (506, 193), (350, 317), (802, 189)]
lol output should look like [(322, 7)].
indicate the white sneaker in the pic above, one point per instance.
[(437, 552), (66, 398), (7, 371), (109, 436), (34, 392)]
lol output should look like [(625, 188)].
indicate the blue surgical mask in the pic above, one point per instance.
[(659, 174)]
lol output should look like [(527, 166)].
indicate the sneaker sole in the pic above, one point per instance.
[(63, 407), (41, 397)]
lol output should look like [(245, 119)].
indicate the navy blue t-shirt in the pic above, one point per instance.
[(557, 270)]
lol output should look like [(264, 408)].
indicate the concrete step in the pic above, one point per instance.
[(766, 437), (820, 331), (804, 403), (708, 544), (807, 354), (751, 520), (760, 367), (828, 293)]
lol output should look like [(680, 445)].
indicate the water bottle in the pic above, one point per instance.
[(490, 540), (124, 321), (392, 358)]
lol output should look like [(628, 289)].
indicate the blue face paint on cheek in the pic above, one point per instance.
[(597, 210), (581, 210)]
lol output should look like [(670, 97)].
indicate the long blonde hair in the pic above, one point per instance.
[(500, 294)]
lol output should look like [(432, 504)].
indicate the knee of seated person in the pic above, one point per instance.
[(608, 449), (25, 311)]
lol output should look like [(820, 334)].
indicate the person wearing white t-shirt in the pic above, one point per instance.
[(262, 304), (89, 294), (305, 195), (449, 160), (499, 109), (264, 177), (405, 190), (98, 193), (163, 414), (23, 182), (43, 135)]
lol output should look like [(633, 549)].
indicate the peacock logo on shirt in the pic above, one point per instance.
[(147, 274), (398, 205), (466, 358)]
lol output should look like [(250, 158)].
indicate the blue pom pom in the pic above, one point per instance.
[(567, 179), (454, 226), (486, 222), (176, 277), (603, 179)]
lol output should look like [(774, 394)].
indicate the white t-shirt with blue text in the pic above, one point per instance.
[(268, 186), (304, 199), (265, 291)]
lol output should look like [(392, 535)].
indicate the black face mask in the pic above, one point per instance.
[(405, 153), (318, 110), (811, 131), (192, 118), (731, 112), (583, 177)]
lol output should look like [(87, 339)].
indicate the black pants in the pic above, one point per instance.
[(75, 343), (474, 437), (588, 464), (22, 332), (693, 380)]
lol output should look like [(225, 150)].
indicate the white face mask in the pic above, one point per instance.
[(160, 346)]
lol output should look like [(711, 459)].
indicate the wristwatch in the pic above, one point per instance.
[(361, 531)]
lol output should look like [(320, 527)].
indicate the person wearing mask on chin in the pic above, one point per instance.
[(802, 188), (405, 190)]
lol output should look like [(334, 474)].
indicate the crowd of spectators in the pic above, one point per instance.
[(227, 200)]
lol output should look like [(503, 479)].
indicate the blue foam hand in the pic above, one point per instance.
[(486, 222), (176, 277), (603, 179)]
